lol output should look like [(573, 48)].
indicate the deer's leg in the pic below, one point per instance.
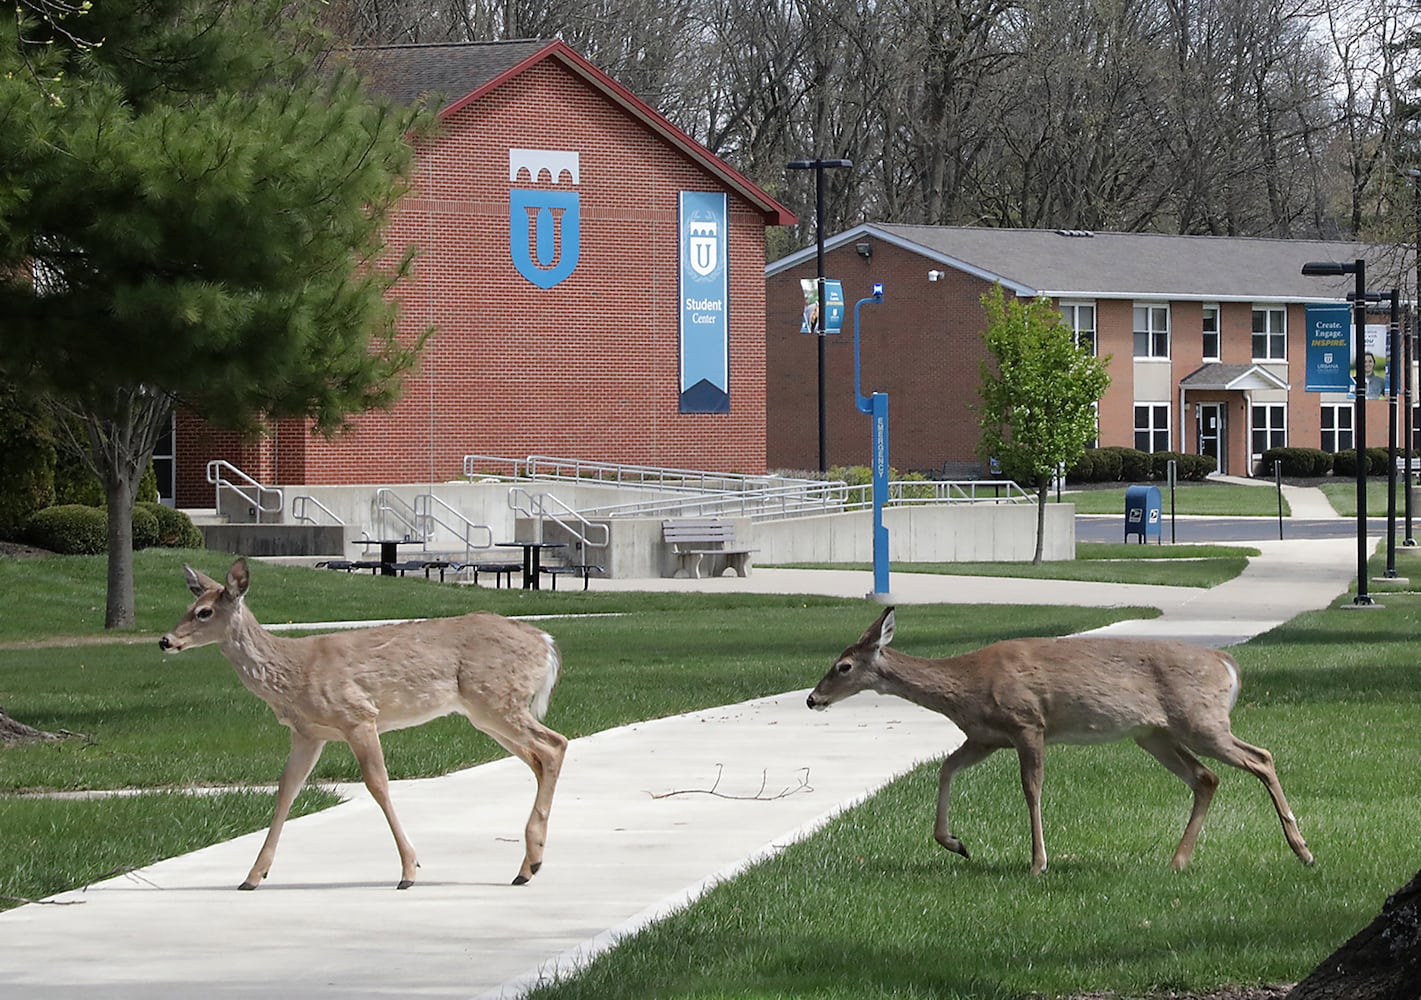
[(1259, 762), (959, 760), (542, 750), (364, 742), (1201, 781), (305, 751), (1031, 754)]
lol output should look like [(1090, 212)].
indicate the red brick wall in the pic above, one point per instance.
[(922, 345), (587, 369)]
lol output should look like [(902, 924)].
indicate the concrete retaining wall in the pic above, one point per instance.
[(985, 532)]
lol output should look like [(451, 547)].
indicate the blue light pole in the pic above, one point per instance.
[(877, 407)]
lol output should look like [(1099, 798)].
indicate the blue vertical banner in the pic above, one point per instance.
[(705, 325), (1329, 351)]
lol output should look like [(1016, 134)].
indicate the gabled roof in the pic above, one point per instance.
[(1144, 266), (1217, 376), (450, 75)]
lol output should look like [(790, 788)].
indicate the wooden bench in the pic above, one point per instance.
[(690, 540)]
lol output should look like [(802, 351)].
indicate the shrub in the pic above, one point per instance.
[(1296, 462), (1107, 464), (1377, 461), (145, 527), (1083, 469), (1187, 468), (70, 529), (1134, 464), (1344, 463), (175, 529)]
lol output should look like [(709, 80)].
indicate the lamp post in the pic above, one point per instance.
[(819, 166), (1409, 348), (1358, 268)]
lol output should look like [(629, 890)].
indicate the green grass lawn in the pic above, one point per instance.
[(1108, 562), (1342, 494), (871, 907), (1215, 499)]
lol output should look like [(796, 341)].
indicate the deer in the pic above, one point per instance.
[(353, 685), (1172, 698)]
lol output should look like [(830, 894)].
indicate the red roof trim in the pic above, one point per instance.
[(775, 213)]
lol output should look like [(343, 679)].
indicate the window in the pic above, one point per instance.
[(1152, 331), (1270, 427), (1152, 426), (1336, 427), (1080, 317), (1270, 335), (1211, 333)]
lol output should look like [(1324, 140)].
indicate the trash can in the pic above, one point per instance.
[(1142, 513)]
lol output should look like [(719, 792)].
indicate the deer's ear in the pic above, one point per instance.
[(885, 628), (880, 633), (238, 578), (197, 582)]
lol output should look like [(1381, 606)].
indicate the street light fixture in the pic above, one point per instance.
[(1328, 268), (819, 166)]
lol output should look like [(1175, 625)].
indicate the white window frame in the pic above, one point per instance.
[(1151, 426), (1331, 412), (1154, 329), (1071, 312), (1267, 428), (1274, 333), (1211, 313)]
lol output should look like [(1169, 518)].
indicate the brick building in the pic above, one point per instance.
[(1207, 337), (595, 278)]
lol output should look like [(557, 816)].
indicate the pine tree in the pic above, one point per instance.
[(191, 210)]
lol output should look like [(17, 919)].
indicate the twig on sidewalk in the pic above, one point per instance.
[(759, 796)]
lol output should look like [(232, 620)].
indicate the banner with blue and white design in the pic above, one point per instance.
[(705, 285)]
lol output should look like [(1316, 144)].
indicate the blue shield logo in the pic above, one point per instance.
[(544, 226)]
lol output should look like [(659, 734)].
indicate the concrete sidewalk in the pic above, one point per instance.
[(646, 816)]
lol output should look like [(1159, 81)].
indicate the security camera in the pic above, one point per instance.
[(935, 275)]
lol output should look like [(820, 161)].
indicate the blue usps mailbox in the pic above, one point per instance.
[(1142, 513)]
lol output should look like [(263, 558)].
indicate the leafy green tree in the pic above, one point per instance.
[(1038, 395), (191, 211)]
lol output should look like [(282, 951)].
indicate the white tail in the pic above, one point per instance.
[(1171, 698), (352, 686)]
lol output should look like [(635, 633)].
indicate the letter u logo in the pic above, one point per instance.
[(544, 227)]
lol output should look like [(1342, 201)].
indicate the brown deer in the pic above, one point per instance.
[(352, 686), (1173, 699)]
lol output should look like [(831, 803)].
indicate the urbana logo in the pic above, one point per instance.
[(544, 226), (703, 245)]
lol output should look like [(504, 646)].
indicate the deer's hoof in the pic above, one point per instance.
[(521, 879), (405, 883), (955, 846), (247, 886)]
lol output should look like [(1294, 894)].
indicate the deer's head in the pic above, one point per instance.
[(856, 667), (207, 618)]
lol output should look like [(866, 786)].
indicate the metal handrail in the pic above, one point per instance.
[(547, 467), (516, 467), (535, 506), (299, 514), (827, 498), (426, 514), (387, 504), (217, 474)]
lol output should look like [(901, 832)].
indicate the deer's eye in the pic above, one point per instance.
[(845, 667), (203, 614)]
